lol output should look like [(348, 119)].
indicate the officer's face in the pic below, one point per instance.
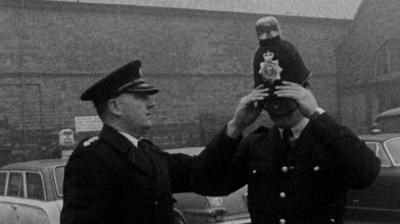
[(286, 120), (135, 111)]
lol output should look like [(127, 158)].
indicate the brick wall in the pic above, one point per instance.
[(375, 23), (189, 110), (201, 61), (364, 92)]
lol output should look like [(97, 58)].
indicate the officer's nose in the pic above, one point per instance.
[(150, 103)]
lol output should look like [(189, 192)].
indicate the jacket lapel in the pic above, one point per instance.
[(123, 146), (142, 160)]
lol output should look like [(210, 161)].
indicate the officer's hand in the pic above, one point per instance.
[(304, 97), (247, 111)]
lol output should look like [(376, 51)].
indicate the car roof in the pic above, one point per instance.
[(379, 137), (395, 112), (34, 165)]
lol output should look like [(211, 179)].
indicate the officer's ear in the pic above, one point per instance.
[(306, 85), (114, 106)]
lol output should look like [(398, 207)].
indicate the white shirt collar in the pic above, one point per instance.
[(132, 139), (298, 128)]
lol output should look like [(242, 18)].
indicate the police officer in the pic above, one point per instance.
[(117, 177), (299, 171)]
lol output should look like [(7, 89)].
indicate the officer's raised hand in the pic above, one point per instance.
[(247, 111), (304, 97)]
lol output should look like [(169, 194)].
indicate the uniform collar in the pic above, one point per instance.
[(115, 139), (269, 41), (298, 128), (131, 138)]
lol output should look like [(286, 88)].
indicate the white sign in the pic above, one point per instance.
[(88, 123)]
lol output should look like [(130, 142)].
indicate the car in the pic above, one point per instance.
[(195, 208), (381, 201), (388, 121), (31, 192)]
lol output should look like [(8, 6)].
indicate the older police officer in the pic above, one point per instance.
[(116, 177), (299, 171)]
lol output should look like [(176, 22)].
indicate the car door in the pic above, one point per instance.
[(13, 190), (33, 208), (381, 198), (8, 215)]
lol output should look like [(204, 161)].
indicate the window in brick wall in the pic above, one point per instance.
[(387, 58)]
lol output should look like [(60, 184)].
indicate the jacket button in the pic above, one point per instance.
[(316, 168), (284, 169), (282, 195), (282, 221), (254, 171), (155, 203), (332, 221)]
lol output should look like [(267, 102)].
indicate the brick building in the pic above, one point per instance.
[(198, 54), (368, 63)]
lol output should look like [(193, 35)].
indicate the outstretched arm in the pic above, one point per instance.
[(221, 168)]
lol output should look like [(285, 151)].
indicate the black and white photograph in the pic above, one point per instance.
[(199, 111)]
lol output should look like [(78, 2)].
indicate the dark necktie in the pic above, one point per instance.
[(285, 151), (145, 152), (286, 136)]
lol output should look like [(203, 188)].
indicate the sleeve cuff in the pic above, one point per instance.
[(317, 112)]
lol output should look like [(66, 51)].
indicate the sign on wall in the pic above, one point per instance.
[(66, 137), (88, 123)]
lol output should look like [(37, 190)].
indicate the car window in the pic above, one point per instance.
[(15, 185), (2, 183), (379, 152), (59, 176), (393, 147), (34, 186)]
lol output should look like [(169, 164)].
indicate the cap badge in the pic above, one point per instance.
[(269, 68)]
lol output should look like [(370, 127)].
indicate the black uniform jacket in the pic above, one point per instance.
[(104, 185), (307, 186)]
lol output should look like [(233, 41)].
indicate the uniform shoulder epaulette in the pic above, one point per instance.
[(89, 141)]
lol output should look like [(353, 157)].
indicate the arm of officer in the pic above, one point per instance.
[(221, 168), (352, 156), (87, 190), (359, 165)]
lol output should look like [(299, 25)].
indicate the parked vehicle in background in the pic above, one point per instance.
[(31, 192), (231, 209), (388, 121), (381, 201)]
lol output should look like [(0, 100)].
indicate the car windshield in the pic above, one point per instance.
[(393, 147), (59, 176), (377, 148)]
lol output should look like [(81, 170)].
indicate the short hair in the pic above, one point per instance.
[(267, 24)]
